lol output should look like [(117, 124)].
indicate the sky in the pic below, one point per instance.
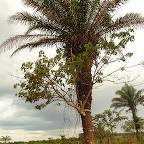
[(19, 119)]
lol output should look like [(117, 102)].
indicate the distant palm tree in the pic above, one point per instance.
[(72, 23), (5, 139), (130, 98)]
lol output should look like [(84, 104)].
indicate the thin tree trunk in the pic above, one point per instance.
[(84, 95), (137, 129), (101, 141), (135, 119)]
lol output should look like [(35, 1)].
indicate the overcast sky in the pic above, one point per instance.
[(19, 119)]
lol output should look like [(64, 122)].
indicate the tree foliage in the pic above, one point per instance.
[(105, 123), (5, 139), (109, 120), (53, 79), (129, 126)]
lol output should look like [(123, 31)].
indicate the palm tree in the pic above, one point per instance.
[(72, 23), (5, 139), (130, 98)]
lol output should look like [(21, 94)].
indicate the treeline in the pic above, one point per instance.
[(62, 140), (118, 138)]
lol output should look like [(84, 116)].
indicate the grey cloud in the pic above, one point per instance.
[(33, 122), (28, 118), (26, 124)]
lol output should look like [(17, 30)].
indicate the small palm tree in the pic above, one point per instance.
[(72, 23), (5, 139), (130, 98)]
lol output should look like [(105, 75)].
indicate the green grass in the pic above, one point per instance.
[(117, 139)]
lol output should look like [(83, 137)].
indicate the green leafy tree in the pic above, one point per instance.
[(80, 27), (129, 98), (101, 133), (109, 119), (105, 123), (129, 126), (5, 139)]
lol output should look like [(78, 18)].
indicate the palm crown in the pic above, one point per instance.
[(129, 97), (72, 23)]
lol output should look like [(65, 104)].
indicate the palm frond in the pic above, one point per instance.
[(139, 92), (43, 15), (119, 105), (115, 4), (35, 22), (101, 12), (54, 10), (43, 7), (130, 20), (102, 18), (121, 93), (19, 40), (119, 100), (139, 98), (93, 8), (32, 3), (26, 18), (35, 44)]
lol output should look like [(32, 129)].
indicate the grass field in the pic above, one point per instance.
[(118, 139)]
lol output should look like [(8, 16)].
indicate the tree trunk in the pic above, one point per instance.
[(136, 120), (87, 128), (84, 95), (101, 140), (137, 128)]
